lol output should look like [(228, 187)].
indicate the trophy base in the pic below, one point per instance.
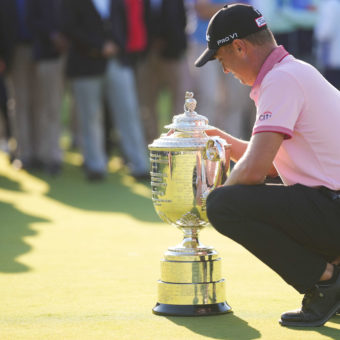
[(191, 310), (191, 284)]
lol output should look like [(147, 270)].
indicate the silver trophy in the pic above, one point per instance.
[(186, 164)]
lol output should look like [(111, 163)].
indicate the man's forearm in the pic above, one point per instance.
[(257, 161), (241, 174)]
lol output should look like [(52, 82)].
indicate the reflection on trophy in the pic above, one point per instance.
[(186, 164)]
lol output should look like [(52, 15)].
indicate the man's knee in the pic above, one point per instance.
[(217, 205)]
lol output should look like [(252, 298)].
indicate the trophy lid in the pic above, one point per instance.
[(190, 120), (186, 130)]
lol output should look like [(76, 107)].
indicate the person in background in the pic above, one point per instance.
[(164, 67), (22, 88), (282, 28), (136, 43), (223, 100), (5, 130), (136, 36), (304, 14), (49, 47), (7, 38), (292, 22), (327, 36), (98, 66)]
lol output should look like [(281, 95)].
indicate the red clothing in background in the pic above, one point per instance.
[(136, 37)]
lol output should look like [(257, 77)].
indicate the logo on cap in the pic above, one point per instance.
[(260, 21), (226, 39)]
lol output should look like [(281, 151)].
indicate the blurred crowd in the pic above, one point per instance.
[(117, 58)]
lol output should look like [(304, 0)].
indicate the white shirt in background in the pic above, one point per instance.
[(103, 7), (327, 33)]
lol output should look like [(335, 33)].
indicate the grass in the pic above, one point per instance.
[(81, 260)]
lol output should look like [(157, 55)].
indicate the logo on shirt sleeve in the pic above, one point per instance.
[(265, 116)]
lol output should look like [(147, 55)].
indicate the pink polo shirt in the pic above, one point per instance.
[(294, 99)]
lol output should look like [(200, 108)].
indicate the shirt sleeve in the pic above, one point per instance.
[(280, 104)]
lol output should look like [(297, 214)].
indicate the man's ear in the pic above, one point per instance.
[(240, 47)]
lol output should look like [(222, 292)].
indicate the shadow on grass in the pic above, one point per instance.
[(15, 225), (227, 326), (327, 329), (8, 184), (111, 195)]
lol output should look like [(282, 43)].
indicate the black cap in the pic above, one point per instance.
[(229, 23)]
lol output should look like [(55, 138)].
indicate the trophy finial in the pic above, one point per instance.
[(190, 102), (189, 94)]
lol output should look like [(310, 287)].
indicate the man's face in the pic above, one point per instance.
[(235, 62)]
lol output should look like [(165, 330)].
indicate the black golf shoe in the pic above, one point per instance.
[(318, 306)]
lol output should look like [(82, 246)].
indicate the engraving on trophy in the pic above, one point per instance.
[(186, 165)]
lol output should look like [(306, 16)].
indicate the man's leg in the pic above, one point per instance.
[(89, 106), (276, 224), (149, 83), (50, 84), (23, 91), (294, 230), (122, 99)]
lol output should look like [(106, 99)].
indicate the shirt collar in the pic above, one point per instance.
[(274, 57)]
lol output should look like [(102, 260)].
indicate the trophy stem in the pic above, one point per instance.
[(190, 238), (191, 244)]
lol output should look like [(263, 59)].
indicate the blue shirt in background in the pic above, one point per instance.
[(202, 25), (24, 34)]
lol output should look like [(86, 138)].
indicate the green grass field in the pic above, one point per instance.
[(81, 260)]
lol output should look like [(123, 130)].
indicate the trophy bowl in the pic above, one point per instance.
[(186, 165)]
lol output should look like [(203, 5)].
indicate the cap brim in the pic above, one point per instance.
[(206, 56)]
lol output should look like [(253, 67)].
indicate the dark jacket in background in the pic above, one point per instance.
[(8, 30), (167, 26), (87, 33), (44, 20), (8, 39)]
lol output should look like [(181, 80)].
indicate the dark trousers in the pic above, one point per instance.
[(3, 107), (294, 229)]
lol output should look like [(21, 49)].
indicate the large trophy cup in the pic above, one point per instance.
[(186, 164)]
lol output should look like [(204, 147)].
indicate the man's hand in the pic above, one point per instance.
[(213, 132), (110, 49)]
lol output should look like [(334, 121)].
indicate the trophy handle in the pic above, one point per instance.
[(214, 150), (217, 151)]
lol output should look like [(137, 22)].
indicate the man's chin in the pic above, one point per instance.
[(241, 81), (238, 78)]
